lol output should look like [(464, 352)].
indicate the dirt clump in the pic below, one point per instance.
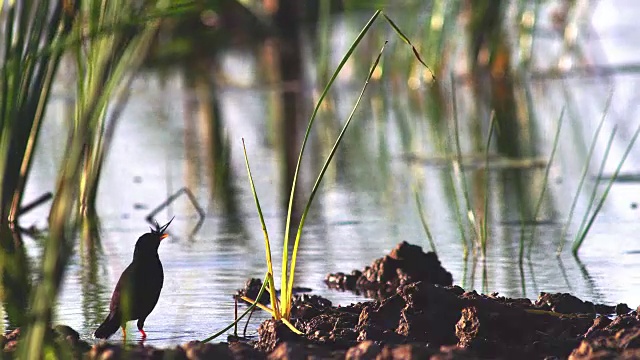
[(569, 304), (405, 264)]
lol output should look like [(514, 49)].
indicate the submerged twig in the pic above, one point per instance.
[(34, 204)]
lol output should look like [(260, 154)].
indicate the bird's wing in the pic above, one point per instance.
[(121, 287)]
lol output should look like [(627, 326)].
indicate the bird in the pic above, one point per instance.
[(138, 289)]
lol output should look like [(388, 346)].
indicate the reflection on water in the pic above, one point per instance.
[(365, 207)]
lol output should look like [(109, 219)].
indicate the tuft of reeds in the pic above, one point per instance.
[(281, 308), (29, 58), (32, 32), (110, 40), (583, 176), (588, 220)]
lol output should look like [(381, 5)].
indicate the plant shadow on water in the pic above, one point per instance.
[(181, 128)]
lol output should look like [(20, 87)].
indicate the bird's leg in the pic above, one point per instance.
[(140, 326), (124, 333)]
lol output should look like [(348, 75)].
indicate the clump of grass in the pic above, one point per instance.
[(32, 32), (29, 58), (109, 42), (583, 176), (588, 220), (281, 308)]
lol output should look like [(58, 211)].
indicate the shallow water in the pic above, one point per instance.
[(365, 207)]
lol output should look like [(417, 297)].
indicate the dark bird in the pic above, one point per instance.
[(138, 289)]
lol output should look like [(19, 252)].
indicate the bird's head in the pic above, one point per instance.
[(148, 243)]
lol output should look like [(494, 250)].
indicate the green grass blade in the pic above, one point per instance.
[(594, 191), (522, 245), (423, 220), (285, 295), (262, 288), (578, 243), (406, 40), (267, 246), (585, 171), (485, 219), (545, 182), (463, 179)]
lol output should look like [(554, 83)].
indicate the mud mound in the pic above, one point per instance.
[(405, 264)]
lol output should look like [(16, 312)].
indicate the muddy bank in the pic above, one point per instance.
[(420, 321), (423, 317)]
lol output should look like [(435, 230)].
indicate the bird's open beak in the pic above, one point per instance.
[(163, 236)]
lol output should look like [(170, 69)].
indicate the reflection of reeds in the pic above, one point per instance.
[(92, 287)]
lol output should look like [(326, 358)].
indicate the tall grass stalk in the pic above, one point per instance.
[(281, 309), (106, 66), (545, 181), (583, 176), (485, 217), (522, 233), (453, 196), (29, 29), (423, 220), (577, 243), (598, 179), (287, 295), (288, 279), (267, 245), (285, 251), (459, 168)]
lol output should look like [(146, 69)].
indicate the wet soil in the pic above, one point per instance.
[(423, 317)]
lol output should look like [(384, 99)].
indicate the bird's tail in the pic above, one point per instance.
[(108, 327)]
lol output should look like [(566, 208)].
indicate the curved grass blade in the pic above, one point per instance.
[(485, 218), (287, 296), (258, 304), (423, 220), (594, 192), (578, 242), (262, 288), (585, 171), (545, 182), (406, 40), (463, 178), (267, 246)]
